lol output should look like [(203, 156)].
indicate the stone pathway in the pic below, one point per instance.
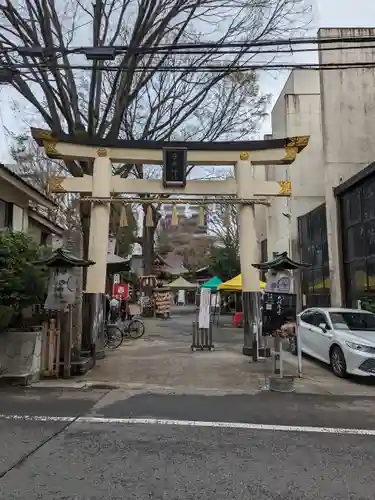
[(163, 359), (162, 362)]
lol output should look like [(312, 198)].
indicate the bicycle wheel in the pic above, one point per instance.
[(113, 337), (136, 328)]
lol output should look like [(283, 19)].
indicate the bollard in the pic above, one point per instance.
[(194, 336), (201, 337)]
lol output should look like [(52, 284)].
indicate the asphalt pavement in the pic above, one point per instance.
[(111, 445)]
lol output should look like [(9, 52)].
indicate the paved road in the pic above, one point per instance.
[(111, 445)]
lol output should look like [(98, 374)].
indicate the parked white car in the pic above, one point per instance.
[(342, 338)]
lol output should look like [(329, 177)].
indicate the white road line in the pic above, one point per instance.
[(193, 423), (37, 418)]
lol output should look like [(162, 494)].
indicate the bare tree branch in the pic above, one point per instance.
[(136, 101)]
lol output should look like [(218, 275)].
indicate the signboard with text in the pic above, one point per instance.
[(204, 308), (121, 291), (174, 169), (277, 309)]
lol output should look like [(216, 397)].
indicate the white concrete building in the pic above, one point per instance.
[(296, 112), (336, 107)]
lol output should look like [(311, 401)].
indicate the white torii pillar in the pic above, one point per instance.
[(99, 224), (248, 256), (94, 294)]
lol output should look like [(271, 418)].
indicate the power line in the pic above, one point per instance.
[(227, 67), (254, 43), (188, 48)]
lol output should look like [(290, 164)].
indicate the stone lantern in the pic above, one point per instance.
[(279, 308), (61, 295)]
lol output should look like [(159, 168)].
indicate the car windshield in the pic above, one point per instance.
[(353, 320)]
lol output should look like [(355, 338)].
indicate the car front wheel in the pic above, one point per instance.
[(338, 362)]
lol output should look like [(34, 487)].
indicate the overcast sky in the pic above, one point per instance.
[(327, 13)]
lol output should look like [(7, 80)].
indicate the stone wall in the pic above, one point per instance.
[(20, 356)]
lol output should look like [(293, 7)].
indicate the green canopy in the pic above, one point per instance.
[(213, 283)]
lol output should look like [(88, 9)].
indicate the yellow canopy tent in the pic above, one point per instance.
[(235, 284)]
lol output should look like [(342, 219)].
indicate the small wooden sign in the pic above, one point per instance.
[(174, 171)]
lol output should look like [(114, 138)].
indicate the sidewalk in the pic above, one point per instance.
[(162, 362)]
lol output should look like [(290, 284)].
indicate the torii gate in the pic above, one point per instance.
[(244, 190)]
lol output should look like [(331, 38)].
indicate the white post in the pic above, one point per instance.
[(99, 226), (94, 296), (248, 256), (299, 351), (281, 364)]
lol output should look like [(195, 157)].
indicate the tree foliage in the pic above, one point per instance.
[(33, 166), (163, 243), (198, 253), (223, 223), (225, 262), (21, 282)]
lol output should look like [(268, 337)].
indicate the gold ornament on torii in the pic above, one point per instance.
[(101, 152), (55, 185), (294, 145), (49, 143), (285, 188)]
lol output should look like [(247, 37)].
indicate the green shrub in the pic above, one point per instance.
[(22, 284)]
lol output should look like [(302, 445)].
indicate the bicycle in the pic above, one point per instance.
[(133, 328), (113, 336)]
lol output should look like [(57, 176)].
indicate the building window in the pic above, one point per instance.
[(313, 247), (357, 210), (44, 239), (6, 215)]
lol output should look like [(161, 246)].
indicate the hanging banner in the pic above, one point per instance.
[(204, 308), (121, 291)]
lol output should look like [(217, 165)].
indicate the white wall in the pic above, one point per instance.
[(34, 231), (296, 113), (348, 123), (18, 218)]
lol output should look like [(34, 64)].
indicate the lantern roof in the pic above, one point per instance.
[(64, 258), (280, 262)]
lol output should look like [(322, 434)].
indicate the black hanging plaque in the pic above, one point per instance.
[(277, 309), (174, 172)]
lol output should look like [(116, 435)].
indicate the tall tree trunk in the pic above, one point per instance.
[(85, 227), (148, 253)]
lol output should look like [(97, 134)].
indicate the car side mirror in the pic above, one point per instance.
[(323, 326)]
